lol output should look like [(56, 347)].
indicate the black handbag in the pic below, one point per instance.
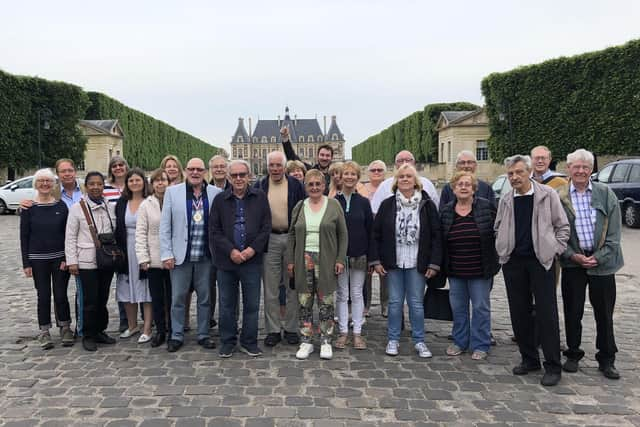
[(109, 256), (436, 304)]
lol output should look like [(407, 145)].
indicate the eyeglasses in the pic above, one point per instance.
[(66, 171), (314, 184), (405, 160), (240, 175), (377, 170), (463, 184), (466, 162), (199, 170), (42, 181)]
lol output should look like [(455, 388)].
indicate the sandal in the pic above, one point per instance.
[(358, 342), (342, 341), (479, 355)]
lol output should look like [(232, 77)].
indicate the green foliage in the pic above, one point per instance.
[(416, 133), (587, 101)]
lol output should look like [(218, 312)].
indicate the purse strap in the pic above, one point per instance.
[(92, 226)]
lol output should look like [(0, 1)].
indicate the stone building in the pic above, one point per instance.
[(306, 137), (104, 139)]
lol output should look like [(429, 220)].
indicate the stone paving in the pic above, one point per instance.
[(133, 385)]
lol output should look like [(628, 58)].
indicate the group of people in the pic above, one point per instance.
[(315, 233)]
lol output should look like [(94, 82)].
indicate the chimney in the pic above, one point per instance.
[(250, 135), (295, 119), (325, 124)]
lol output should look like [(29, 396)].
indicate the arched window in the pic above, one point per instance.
[(264, 139), (334, 137), (240, 139), (255, 139), (310, 138)]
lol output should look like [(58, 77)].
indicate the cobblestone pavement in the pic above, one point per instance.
[(133, 385)]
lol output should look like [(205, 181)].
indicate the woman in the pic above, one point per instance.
[(118, 168), (148, 253), (359, 220), (471, 262), (172, 166), (296, 169), (316, 251), (80, 252), (409, 248), (42, 229), (335, 172), (132, 287), (375, 171)]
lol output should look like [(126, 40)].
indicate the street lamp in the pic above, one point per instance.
[(44, 115)]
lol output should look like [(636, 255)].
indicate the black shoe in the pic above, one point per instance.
[(523, 369), (89, 344), (493, 340), (251, 350), (103, 338), (124, 325), (226, 350), (571, 365), (212, 323), (206, 343), (610, 371), (292, 338), (173, 346), (514, 339), (158, 340), (550, 379), (272, 339)]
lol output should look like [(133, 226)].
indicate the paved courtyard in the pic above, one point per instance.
[(132, 385)]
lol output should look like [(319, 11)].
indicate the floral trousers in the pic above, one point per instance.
[(326, 303)]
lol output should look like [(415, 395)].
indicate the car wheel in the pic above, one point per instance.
[(631, 216), (3, 207)]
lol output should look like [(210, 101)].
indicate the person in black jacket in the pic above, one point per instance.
[(471, 262), (409, 249), (325, 156), (466, 161), (239, 231)]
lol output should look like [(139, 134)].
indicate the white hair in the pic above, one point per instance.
[(466, 153), (378, 162), (240, 162), (216, 157), (44, 173), (510, 161), (580, 155), (277, 153)]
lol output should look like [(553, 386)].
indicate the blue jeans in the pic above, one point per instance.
[(406, 282), (198, 273), (249, 276), (471, 333)]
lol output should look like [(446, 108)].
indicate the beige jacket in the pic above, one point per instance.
[(79, 248), (148, 232), (549, 226)]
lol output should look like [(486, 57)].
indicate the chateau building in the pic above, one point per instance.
[(104, 139), (306, 137)]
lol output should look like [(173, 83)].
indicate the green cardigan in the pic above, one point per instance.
[(606, 233), (333, 246)]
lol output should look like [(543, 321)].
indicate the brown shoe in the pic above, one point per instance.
[(358, 342), (342, 341)]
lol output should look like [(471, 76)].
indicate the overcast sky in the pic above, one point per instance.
[(199, 65)]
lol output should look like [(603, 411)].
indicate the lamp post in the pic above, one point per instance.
[(44, 115), (501, 117)]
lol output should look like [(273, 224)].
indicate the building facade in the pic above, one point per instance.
[(104, 140), (306, 137)]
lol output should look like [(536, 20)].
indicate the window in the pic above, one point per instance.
[(449, 153), (442, 159), (255, 139), (25, 183), (264, 139), (604, 174), (273, 139), (620, 172), (310, 138), (482, 152), (301, 152), (240, 139), (81, 165), (255, 153), (301, 138), (319, 138), (334, 137), (235, 152), (634, 176)]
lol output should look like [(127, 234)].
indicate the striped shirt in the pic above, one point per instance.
[(42, 231), (585, 216), (463, 248), (111, 193)]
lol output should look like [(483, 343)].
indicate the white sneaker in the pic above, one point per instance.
[(326, 352), (392, 348), (304, 351), (422, 350)]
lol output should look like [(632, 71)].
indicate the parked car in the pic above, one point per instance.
[(623, 177), (12, 193), (501, 186)]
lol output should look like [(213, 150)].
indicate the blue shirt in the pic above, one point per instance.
[(75, 197), (239, 229), (585, 216)]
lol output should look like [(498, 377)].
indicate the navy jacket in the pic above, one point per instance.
[(484, 190), (221, 222), (295, 192), (359, 224)]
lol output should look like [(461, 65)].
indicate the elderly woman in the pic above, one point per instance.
[(172, 166), (132, 287), (296, 169), (375, 172), (316, 253), (80, 252), (409, 249), (470, 263), (335, 174), (148, 254), (359, 220), (42, 228)]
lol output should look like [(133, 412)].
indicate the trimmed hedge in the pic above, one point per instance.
[(416, 133), (587, 101)]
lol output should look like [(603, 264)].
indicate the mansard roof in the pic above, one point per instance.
[(334, 129), (240, 132), (105, 127)]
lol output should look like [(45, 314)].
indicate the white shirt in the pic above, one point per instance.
[(384, 192)]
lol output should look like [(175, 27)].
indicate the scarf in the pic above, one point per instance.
[(407, 218)]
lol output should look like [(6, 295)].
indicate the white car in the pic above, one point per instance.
[(12, 193)]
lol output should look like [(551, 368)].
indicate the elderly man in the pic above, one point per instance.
[(283, 193), (466, 161), (384, 190), (185, 251), (324, 154), (531, 229), (592, 257), (218, 172), (239, 234), (541, 157)]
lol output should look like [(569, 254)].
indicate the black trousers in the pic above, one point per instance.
[(602, 295), (525, 278), (95, 294), (213, 290), (160, 289), (47, 275)]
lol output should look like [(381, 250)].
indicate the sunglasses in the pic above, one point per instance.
[(376, 170), (240, 175), (195, 170)]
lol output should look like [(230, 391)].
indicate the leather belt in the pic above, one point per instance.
[(279, 231)]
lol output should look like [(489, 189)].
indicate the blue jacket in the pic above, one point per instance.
[(359, 224), (295, 192)]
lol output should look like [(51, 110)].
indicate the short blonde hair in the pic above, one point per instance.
[(296, 164), (336, 166), (314, 173), (403, 167), (352, 166), (456, 177)]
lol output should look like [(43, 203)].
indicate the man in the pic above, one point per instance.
[(185, 251), (218, 172), (466, 161), (531, 229), (592, 257), (324, 154), (541, 157), (384, 190), (239, 234), (283, 193)]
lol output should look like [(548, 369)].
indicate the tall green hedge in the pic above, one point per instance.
[(587, 101), (416, 133), (20, 100), (147, 140)]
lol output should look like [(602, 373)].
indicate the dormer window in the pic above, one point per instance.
[(301, 138), (310, 139), (273, 139), (264, 139), (319, 138), (334, 137), (240, 139), (255, 139)]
